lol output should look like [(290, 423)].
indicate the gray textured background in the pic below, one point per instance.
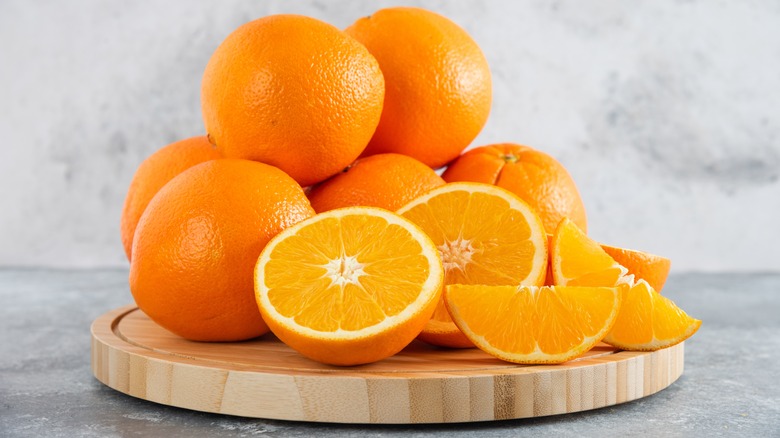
[(665, 112)]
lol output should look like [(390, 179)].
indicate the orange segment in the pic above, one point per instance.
[(350, 286), (577, 260), (532, 324), (486, 235), (649, 321), (645, 266)]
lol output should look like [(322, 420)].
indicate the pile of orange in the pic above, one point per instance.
[(313, 209)]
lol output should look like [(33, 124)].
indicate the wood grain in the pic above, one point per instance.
[(264, 378)]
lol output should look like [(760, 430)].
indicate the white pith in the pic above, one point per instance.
[(456, 254), (344, 270)]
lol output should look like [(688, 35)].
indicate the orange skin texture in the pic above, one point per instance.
[(652, 268), (537, 178), (196, 246), (438, 84), (387, 181), (293, 92), (153, 173)]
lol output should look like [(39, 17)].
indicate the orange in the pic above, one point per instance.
[(293, 92), (196, 246), (647, 320), (153, 173), (577, 260), (438, 86), (349, 286), (548, 277), (386, 180), (644, 266), (536, 177), (551, 324), (486, 235)]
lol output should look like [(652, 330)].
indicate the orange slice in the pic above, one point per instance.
[(577, 260), (486, 235), (551, 324), (645, 266), (647, 320), (350, 286)]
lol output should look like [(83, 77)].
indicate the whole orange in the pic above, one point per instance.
[(537, 178), (153, 173), (387, 181), (293, 92), (197, 243), (438, 86)]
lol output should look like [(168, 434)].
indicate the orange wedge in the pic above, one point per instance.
[(647, 321), (644, 266), (350, 286), (577, 260), (486, 235), (550, 324)]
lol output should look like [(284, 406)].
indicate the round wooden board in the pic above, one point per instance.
[(264, 378)]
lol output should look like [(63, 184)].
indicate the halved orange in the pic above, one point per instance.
[(647, 320), (645, 266), (486, 235), (550, 324), (349, 286)]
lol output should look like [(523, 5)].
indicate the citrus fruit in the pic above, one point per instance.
[(153, 173), (196, 246), (644, 266), (550, 324), (649, 321), (293, 92), (577, 260), (438, 86), (386, 180), (548, 276), (485, 235), (534, 176), (349, 286)]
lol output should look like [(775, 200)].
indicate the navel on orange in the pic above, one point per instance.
[(486, 235), (647, 320), (550, 324), (349, 286)]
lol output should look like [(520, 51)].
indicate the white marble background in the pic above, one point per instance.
[(665, 112)]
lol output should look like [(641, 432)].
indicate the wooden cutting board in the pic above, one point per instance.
[(264, 378)]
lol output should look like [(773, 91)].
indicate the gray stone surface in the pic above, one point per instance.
[(731, 384)]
